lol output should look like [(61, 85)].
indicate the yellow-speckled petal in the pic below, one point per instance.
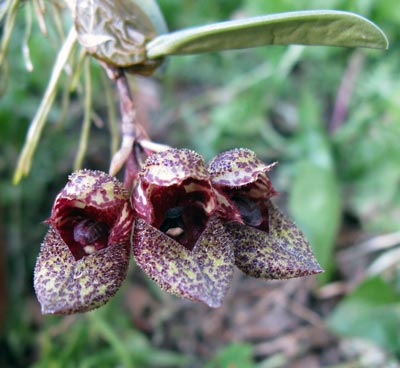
[(281, 253), (95, 188), (64, 285), (236, 168), (202, 274), (173, 167)]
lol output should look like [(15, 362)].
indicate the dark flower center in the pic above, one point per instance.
[(249, 210), (89, 231), (172, 224), (179, 210), (90, 234), (184, 224)]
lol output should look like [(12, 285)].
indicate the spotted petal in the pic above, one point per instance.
[(281, 253), (201, 274), (64, 285), (173, 166), (237, 167)]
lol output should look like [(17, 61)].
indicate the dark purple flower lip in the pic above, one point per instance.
[(84, 231), (91, 234), (249, 210), (251, 205), (184, 224)]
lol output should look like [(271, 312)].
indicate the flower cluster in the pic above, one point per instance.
[(188, 225)]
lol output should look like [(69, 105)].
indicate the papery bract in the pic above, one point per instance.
[(180, 242), (267, 244), (85, 254), (116, 32)]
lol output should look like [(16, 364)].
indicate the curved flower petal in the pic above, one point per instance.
[(238, 167), (64, 285), (201, 274), (281, 253), (173, 166)]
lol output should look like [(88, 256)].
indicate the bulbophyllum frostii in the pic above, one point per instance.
[(187, 224)]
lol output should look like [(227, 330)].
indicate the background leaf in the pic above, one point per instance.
[(153, 11), (233, 356), (363, 314), (314, 198), (319, 27)]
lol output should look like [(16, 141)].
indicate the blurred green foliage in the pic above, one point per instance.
[(372, 311), (278, 101), (234, 355), (106, 340)]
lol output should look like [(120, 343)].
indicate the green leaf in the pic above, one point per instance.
[(201, 274), (315, 204), (317, 27), (371, 311), (153, 11), (315, 198), (234, 355)]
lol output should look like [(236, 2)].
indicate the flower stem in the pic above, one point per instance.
[(131, 130)]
